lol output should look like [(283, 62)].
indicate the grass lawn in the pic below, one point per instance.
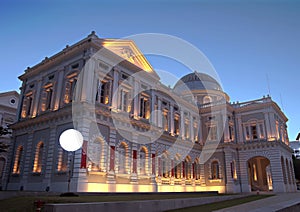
[(222, 204), (26, 203)]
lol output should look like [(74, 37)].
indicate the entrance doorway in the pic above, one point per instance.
[(259, 173)]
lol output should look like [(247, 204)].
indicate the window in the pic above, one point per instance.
[(212, 133), (38, 159), (18, 158), (103, 92), (206, 99), (176, 125), (124, 100), (253, 132), (144, 107), (215, 170), (27, 105), (70, 87), (247, 133), (186, 129), (122, 158), (47, 97), (195, 130), (62, 164), (165, 120), (231, 133)]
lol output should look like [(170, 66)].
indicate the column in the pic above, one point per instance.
[(267, 121), (152, 109), (273, 125), (191, 128), (182, 123), (229, 180), (226, 131), (59, 89), (136, 91), (159, 113), (172, 119), (111, 156), (86, 87), (115, 88), (200, 139), (240, 129), (37, 98)]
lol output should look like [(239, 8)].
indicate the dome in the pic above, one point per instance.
[(197, 81)]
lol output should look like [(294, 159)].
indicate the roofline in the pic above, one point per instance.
[(13, 92)]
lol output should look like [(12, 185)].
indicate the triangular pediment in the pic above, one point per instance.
[(129, 51)]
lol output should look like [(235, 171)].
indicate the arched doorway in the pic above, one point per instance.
[(259, 174)]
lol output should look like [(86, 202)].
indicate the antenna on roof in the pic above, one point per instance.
[(281, 102), (268, 83)]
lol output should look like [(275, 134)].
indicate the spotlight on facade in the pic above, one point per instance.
[(71, 140)]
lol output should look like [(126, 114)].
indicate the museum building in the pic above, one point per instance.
[(140, 135)]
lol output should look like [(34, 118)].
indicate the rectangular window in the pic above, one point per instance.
[(187, 129), (49, 98), (144, 107), (124, 100), (212, 133), (247, 133), (254, 132), (165, 120), (176, 125), (231, 133), (104, 94)]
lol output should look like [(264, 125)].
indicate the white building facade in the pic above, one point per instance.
[(8, 109), (139, 135)]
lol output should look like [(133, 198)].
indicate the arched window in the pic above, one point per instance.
[(18, 158), (143, 160), (207, 99), (215, 170), (62, 164), (2, 166), (38, 159), (122, 158)]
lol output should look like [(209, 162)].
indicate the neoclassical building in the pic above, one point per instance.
[(140, 135), (8, 109)]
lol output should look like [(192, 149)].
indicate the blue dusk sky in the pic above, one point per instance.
[(253, 45)]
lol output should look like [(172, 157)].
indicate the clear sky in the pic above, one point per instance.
[(250, 43)]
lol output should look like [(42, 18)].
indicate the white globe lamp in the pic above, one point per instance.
[(71, 140)]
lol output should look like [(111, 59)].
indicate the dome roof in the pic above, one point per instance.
[(197, 81)]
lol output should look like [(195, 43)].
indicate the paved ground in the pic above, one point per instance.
[(275, 203)]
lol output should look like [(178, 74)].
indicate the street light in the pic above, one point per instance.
[(70, 140)]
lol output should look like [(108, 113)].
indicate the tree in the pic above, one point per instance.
[(3, 146), (296, 163)]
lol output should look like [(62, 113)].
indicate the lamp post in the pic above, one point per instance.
[(71, 140)]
